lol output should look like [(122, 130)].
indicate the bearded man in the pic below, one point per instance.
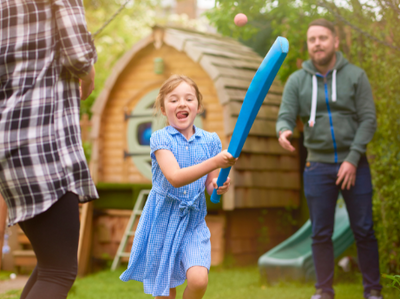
[(334, 101)]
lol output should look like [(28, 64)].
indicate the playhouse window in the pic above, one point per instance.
[(144, 133)]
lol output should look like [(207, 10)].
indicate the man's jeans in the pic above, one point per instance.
[(322, 193)]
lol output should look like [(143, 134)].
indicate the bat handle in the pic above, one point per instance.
[(223, 175)]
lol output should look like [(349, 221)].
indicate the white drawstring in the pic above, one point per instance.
[(334, 86), (311, 122)]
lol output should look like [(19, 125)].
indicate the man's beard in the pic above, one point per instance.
[(325, 60)]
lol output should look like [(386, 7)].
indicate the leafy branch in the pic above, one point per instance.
[(395, 280)]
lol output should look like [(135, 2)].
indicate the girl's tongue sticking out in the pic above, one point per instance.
[(182, 114)]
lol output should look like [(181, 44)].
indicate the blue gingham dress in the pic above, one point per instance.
[(172, 235)]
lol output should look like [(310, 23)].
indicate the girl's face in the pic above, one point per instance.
[(181, 107)]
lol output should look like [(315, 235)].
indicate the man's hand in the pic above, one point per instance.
[(87, 84), (284, 140), (346, 175)]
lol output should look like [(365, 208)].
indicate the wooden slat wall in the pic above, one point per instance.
[(266, 174), (252, 232), (258, 162), (271, 198), (287, 180)]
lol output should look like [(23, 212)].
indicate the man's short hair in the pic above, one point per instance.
[(323, 23)]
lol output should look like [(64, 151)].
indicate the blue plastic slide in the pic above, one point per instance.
[(292, 259)]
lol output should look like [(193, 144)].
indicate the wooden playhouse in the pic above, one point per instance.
[(265, 181)]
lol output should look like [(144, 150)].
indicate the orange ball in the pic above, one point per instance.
[(240, 19)]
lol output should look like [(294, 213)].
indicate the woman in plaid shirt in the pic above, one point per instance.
[(45, 52)]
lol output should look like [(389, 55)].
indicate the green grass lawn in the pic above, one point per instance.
[(227, 283)]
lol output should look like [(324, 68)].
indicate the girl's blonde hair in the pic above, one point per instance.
[(169, 85)]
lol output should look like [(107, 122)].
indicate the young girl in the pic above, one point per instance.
[(172, 240)]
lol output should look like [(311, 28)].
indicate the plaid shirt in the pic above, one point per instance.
[(44, 47)]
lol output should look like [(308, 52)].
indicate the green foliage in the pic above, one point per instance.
[(87, 148), (395, 279), (379, 19), (268, 20), (225, 11), (381, 64), (132, 24)]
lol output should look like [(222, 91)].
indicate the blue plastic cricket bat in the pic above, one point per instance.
[(252, 102)]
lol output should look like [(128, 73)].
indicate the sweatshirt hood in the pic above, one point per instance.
[(309, 67)]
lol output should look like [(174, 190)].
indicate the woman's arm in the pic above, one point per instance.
[(77, 51), (179, 177)]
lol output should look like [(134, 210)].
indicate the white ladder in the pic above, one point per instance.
[(137, 211)]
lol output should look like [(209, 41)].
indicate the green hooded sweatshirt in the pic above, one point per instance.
[(337, 111)]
